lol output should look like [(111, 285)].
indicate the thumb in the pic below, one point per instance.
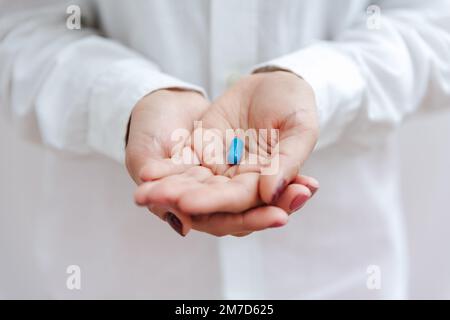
[(290, 154)]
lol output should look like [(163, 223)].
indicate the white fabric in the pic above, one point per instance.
[(77, 88)]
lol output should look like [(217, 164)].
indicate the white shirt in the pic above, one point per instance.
[(76, 89)]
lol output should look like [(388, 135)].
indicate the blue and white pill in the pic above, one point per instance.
[(235, 152)]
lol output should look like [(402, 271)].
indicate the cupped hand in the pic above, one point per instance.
[(227, 199), (153, 121), (275, 114)]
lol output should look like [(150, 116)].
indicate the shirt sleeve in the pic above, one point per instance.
[(368, 80), (76, 87)]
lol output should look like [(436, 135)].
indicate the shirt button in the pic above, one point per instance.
[(232, 78)]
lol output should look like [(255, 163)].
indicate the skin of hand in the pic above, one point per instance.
[(275, 100), (150, 149), (149, 145), (221, 205)]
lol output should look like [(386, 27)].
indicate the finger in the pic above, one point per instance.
[(293, 198), (241, 234), (297, 193), (142, 192), (157, 169), (235, 195), (160, 168), (208, 145), (181, 223), (290, 154), (167, 191), (257, 219), (311, 183), (158, 193), (158, 211)]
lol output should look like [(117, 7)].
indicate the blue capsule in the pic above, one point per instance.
[(235, 152)]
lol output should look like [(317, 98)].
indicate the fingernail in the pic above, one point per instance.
[(313, 186), (175, 223), (277, 225), (298, 202), (313, 190), (279, 190)]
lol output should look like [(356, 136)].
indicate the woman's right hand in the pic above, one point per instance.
[(149, 147)]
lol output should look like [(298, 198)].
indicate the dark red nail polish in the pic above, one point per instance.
[(298, 202), (175, 223), (280, 188), (277, 225), (312, 189)]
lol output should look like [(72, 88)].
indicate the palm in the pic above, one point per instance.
[(279, 104), (154, 119), (215, 194)]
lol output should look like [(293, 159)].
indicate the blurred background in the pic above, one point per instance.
[(24, 197), (425, 155)]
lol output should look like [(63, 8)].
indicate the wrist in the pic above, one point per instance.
[(274, 69), (167, 93), (160, 101), (278, 75), (278, 72)]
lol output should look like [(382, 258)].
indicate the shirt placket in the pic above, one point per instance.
[(233, 52), (233, 41)]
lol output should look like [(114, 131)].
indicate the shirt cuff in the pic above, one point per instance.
[(336, 80), (114, 95)]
